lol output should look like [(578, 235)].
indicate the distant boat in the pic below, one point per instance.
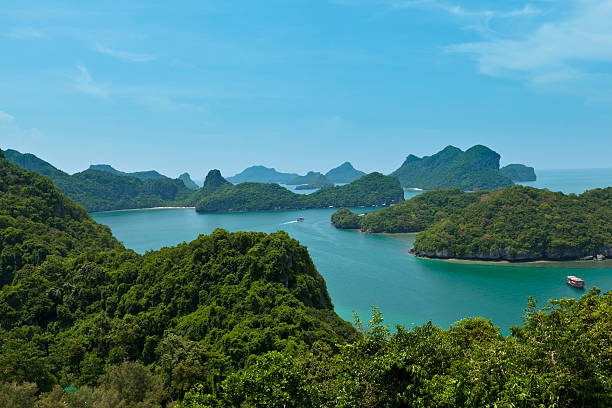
[(300, 219), (575, 282)]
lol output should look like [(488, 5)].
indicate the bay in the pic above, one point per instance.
[(362, 270)]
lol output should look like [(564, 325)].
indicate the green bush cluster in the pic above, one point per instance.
[(559, 357)]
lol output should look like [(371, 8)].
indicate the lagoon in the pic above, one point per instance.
[(363, 270)]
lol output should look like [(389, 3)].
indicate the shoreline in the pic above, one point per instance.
[(139, 209), (544, 263)]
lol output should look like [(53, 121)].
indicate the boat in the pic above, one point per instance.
[(575, 282), (300, 219)]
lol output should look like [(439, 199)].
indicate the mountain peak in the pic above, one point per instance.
[(214, 179)]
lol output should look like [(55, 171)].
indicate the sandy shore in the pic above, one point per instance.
[(139, 209)]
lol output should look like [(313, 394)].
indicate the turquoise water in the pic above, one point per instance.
[(572, 181), (363, 270)]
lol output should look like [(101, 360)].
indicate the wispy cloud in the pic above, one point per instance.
[(5, 117), (124, 55), (83, 82), (562, 50), (25, 33), (463, 12)]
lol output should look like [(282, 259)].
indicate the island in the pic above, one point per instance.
[(475, 169), (312, 177), (413, 215), (374, 189), (317, 182), (345, 173), (524, 224), (518, 172), (261, 174)]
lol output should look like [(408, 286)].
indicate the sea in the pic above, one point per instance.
[(363, 271)]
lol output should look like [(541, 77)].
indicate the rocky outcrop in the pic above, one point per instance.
[(503, 254)]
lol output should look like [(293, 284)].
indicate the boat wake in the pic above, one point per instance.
[(290, 222)]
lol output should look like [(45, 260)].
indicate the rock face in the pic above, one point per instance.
[(506, 255), (476, 168), (189, 183), (518, 172), (345, 173)]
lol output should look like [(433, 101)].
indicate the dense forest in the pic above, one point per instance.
[(524, 223), (245, 320), (475, 169), (370, 190), (412, 215)]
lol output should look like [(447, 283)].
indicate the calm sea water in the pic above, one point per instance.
[(363, 270)]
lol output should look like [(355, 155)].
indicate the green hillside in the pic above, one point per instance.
[(73, 300)]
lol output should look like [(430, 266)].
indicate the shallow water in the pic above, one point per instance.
[(363, 270)]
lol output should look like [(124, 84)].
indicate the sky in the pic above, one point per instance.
[(305, 84)]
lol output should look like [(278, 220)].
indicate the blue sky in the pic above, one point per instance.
[(305, 85)]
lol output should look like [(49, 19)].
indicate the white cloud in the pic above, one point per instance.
[(25, 33), (84, 83), (5, 117), (558, 51), (124, 55), (460, 11)]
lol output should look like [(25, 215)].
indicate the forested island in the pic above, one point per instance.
[(412, 215), (518, 172), (373, 189), (314, 183), (475, 169), (244, 319), (524, 224)]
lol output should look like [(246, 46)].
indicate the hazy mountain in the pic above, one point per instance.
[(345, 173), (143, 175), (261, 174), (189, 183)]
